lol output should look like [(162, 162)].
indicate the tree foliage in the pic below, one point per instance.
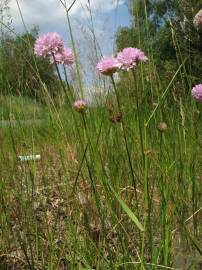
[(165, 29), (20, 72)]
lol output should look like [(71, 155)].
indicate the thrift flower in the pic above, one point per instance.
[(48, 44), (108, 65), (197, 92), (198, 20), (130, 57), (80, 105), (65, 57)]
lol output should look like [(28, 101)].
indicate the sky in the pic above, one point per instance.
[(50, 16)]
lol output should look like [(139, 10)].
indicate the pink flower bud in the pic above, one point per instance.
[(80, 105)]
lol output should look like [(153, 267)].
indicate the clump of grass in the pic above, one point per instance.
[(19, 108)]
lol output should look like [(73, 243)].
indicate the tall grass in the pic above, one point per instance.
[(105, 195)]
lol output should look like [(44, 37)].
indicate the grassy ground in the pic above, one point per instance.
[(66, 211), (19, 108)]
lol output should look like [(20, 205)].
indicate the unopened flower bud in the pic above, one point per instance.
[(80, 105), (162, 126)]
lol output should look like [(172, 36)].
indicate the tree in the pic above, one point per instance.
[(21, 72), (5, 18), (165, 29)]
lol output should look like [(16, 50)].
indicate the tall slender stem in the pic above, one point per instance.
[(75, 54), (67, 83), (139, 119), (126, 145), (60, 79)]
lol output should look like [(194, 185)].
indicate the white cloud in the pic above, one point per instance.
[(51, 13)]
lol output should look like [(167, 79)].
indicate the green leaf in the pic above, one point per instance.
[(127, 210)]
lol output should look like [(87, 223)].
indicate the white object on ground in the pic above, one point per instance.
[(30, 157)]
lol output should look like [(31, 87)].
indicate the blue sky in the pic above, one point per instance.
[(49, 15)]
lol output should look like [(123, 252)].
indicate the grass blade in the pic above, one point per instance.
[(127, 210)]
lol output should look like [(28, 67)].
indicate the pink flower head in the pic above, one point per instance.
[(65, 57), (197, 92), (48, 44), (108, 65), (80, 105), (130, 57)]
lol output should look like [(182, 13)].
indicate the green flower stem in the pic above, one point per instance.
[(126, 145), (139, 118)]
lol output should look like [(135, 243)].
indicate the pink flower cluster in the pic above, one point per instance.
[(127, 59), (51, 46), (80, 105), (130, 57), (108, 65), (197, 92), (48, 44), (65, 57)]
